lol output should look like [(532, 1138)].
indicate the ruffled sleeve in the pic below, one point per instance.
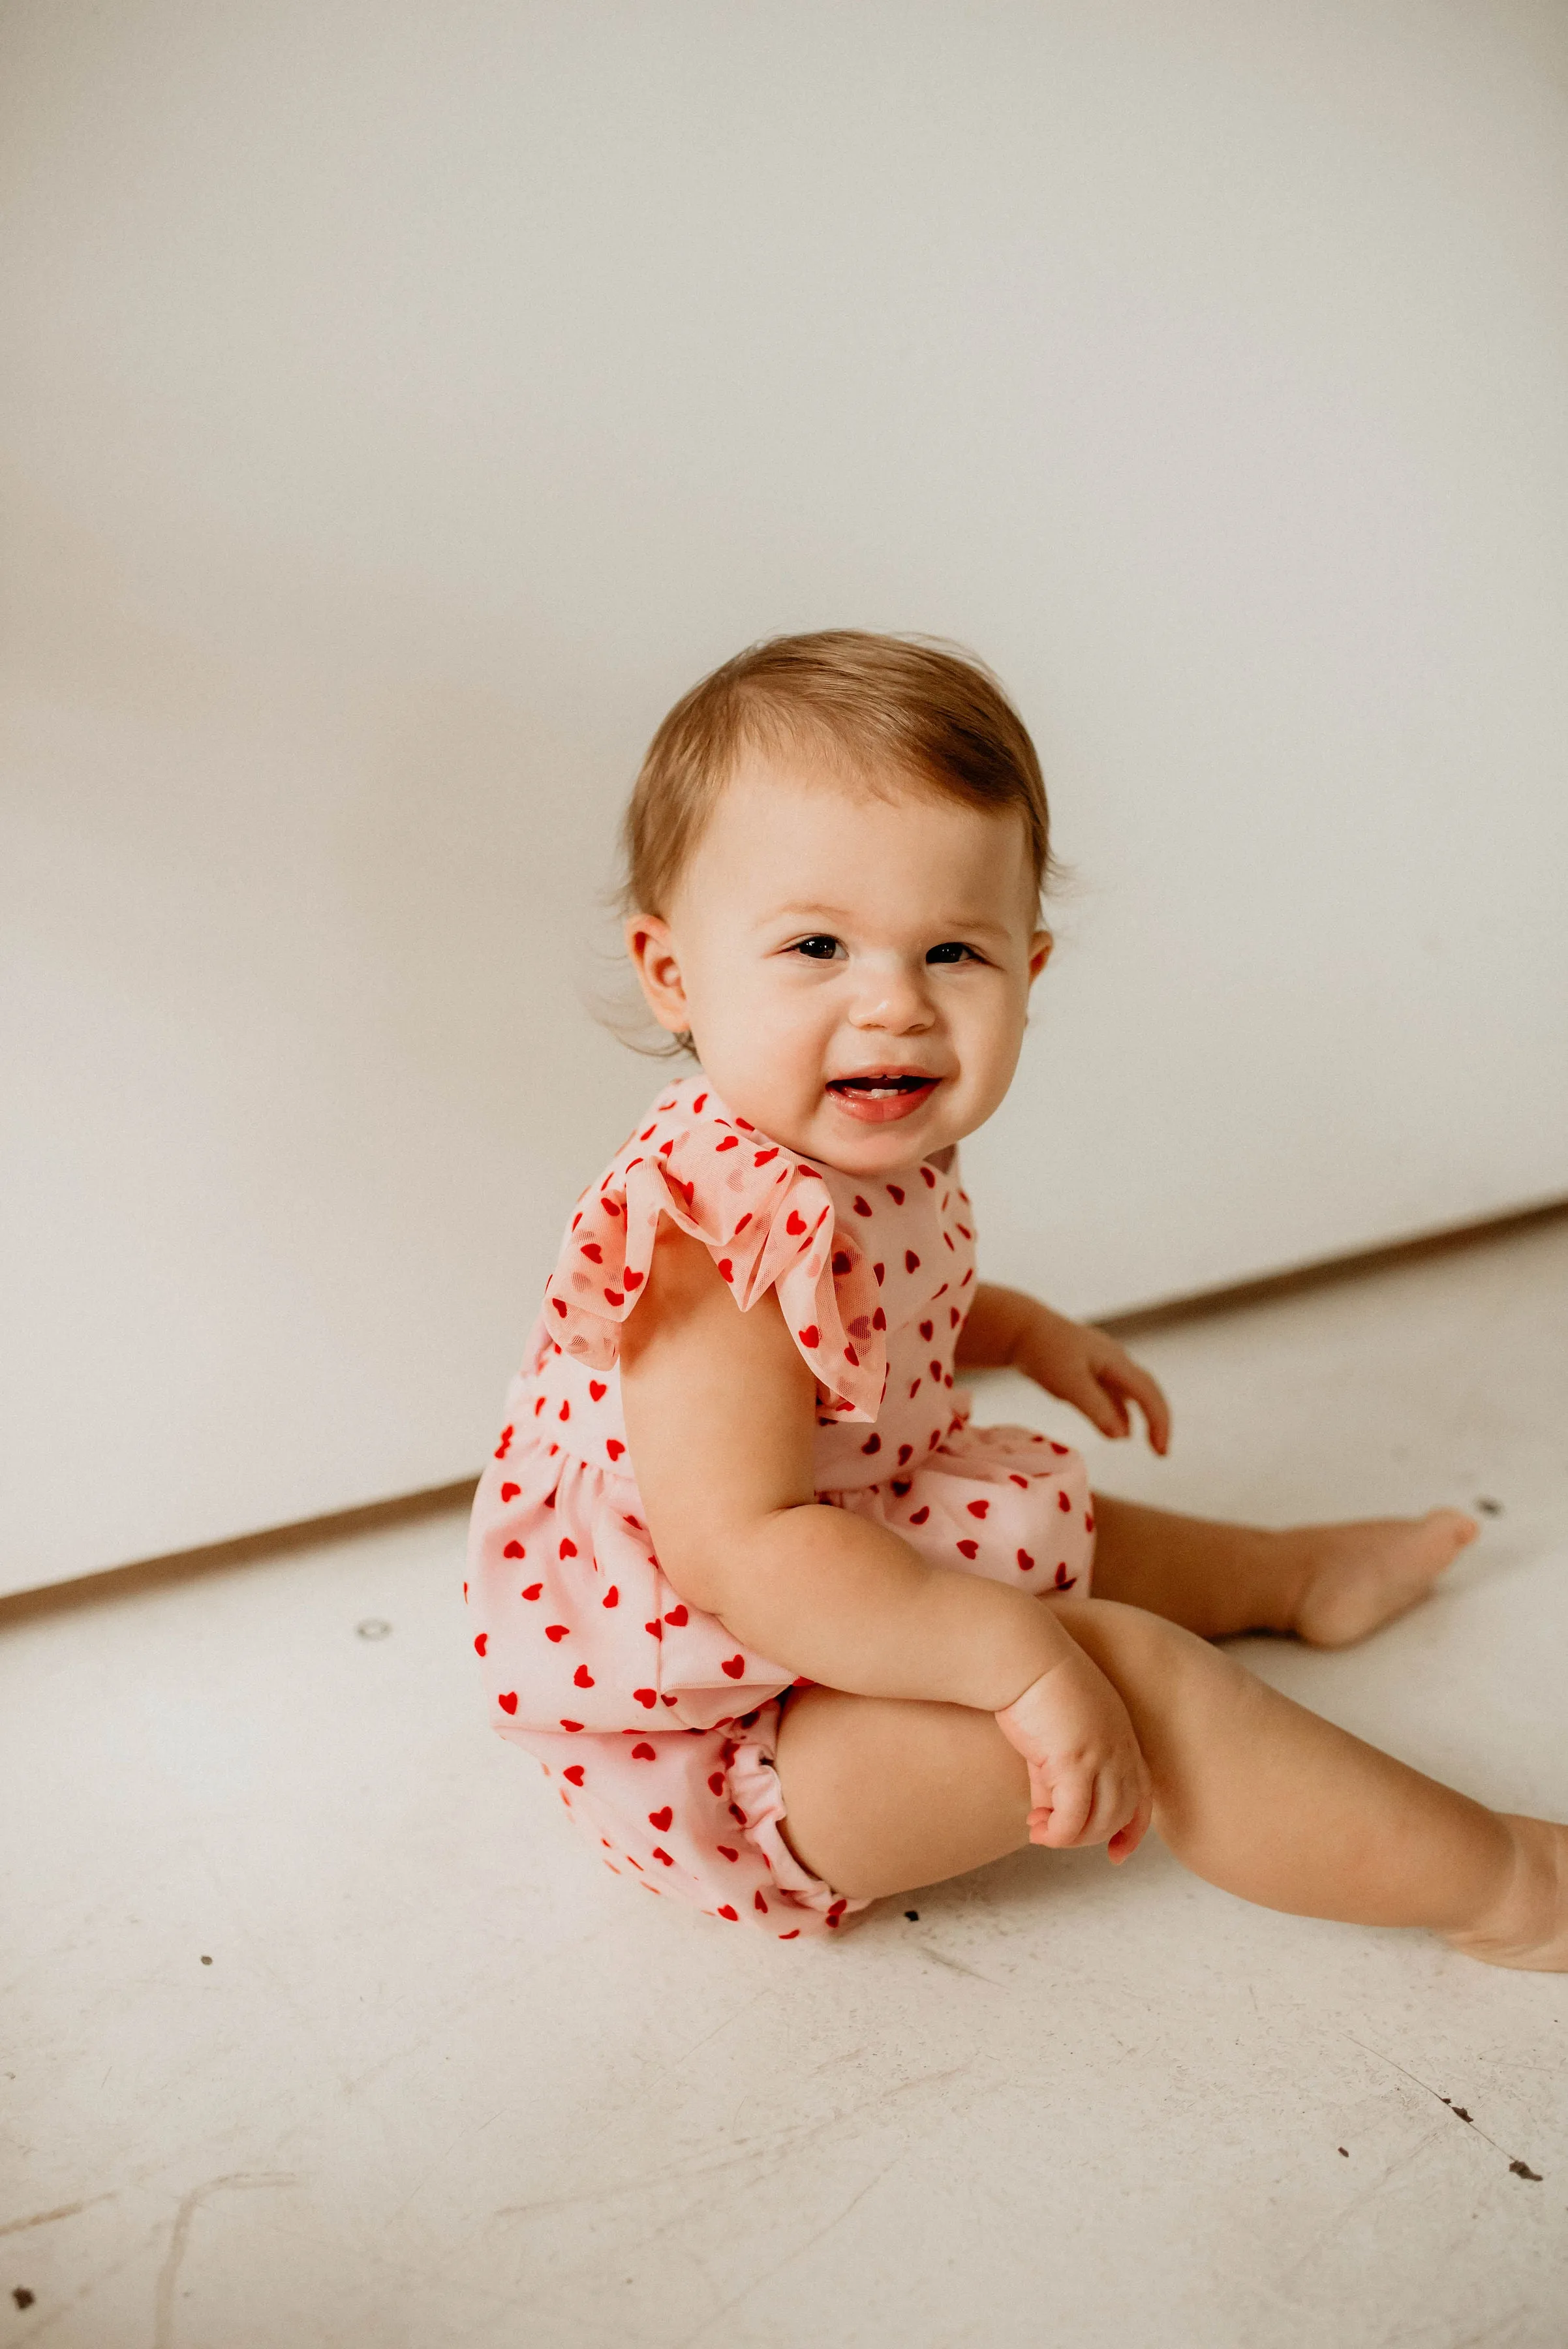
[(765, 1218)]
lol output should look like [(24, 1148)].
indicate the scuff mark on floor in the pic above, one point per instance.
[(1517, 2167), (180, 2237)]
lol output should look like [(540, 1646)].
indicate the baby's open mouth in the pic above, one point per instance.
[(879, 1087), (881, 1095)]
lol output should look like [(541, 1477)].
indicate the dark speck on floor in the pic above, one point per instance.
[(21, 2296), (1523, 2169), (206, 1961), (372, 1628), (913, 1915), (1489, 1507), (1345, 2150)]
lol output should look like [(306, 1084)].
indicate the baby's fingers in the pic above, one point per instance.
[(1062, 1811), (1124, 1377)]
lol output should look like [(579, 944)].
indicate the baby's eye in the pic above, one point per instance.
[(820, 949), (951, 950)]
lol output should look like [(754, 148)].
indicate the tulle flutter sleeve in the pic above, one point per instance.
[(766, 1219)]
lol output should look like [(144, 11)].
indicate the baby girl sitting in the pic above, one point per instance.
[(787, 1631)]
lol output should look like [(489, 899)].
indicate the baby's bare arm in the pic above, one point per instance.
[(720, 1417), (1009, 1330)]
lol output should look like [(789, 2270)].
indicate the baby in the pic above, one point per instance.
[(787, 1631)]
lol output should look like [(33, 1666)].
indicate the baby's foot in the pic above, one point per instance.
[(1358, 1577), (1527, 1926)]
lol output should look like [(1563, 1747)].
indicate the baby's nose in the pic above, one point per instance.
[(894, 998)]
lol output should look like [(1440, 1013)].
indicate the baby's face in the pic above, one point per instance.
[(854, 968)]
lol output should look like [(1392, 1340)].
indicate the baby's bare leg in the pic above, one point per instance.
[(1328, 1584), (1251, 1791)]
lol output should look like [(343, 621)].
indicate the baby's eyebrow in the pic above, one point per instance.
[(951, 925)]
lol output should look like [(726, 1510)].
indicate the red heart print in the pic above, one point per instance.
[(927, 1178), (480, 1644), (1062, 1501), (645, 1696), (540, 1401), (905, 1454), (734, 1665), (1064, 1580), (508, 1702), (659, 1853), (574, 1770), (582, 1677), (614, 1297), (1089, 1522), (968, 1548), (677, 1615), (667, 1699), (740, 1227), (979, 1508), (881, 1272), (592, 1250), (506, 1433), (793, 1935), (851, 1357), (914, 1390), (731, 1142), (726, 1268), (837, 1911), (861, 1205), (936, 1372), (726, 1852), (568, 1547), (872, 1443), (643, 1753), (565, 1411), (1058, 1447), (698, 1106), (810, 1336), (660, 1819), (559, 1306), (737, 1815), (731, 1914), (632, 1279), (514, 1549), (614, 1446), (927, 1331), (878, 1319), (510, 1492), (918, 1517), (556, 1631), (900, 1485), (666, 1147), (1025, 1563), (656, 1627), (840, 1262), (533, 1590), (1022, 1482), (761, 1157), (648, 1133), (911, 1261), (794, 1224), (954, 1316), (716, 1783), (597, 1389), (611, 1596)]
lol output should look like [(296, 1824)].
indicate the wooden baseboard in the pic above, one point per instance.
[(405, 1509), (273, 1541), (1330, 1272)]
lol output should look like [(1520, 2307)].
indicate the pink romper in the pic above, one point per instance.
[(657, 1724)]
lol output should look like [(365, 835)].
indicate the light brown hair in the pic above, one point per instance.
[(874, 704)]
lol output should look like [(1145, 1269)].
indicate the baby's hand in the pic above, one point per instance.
[(1087, 1777), (1083, 1367)]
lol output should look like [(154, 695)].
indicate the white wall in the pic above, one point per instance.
[(403, 404)]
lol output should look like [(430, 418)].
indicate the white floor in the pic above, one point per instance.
[(445, 2081)]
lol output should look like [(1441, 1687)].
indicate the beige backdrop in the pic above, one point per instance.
[(402, 404)]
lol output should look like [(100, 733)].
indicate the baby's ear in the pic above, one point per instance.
[(653, 957), (1039, 946)]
